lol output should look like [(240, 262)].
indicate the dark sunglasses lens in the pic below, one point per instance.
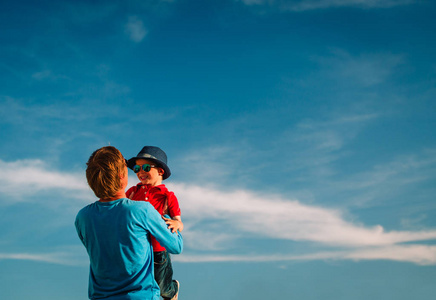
[(146, 168), (136, 168)]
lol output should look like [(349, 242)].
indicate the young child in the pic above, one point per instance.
[(150, 165)]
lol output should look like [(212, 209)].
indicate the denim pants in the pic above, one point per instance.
[(163, 274)]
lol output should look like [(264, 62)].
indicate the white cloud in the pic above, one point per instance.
[(216, 220), (274, 217), (27, 177), (135, 29), (196, 238), (69, 256), (47, 257), (418, 254)]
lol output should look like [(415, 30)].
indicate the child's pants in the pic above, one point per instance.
[(163, 274)]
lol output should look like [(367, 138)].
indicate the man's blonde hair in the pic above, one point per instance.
[(103, 171)]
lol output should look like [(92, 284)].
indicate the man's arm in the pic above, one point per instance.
[(173, 242)]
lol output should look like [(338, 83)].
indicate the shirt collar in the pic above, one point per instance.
[(160, 187)]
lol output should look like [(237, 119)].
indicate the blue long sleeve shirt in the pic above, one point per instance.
[(116, 235)]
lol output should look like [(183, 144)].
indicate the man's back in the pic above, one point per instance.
[(116, 237)]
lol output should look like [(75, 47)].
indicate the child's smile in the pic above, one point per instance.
[(152, 177)]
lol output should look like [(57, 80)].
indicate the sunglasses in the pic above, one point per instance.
[(145, 167)]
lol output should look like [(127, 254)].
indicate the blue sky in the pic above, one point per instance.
[(300, 136)]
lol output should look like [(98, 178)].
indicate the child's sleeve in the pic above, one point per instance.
[(173, 205), (130, 192)]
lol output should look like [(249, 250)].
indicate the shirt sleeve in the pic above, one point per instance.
[(78, 226), (130, 192), (173, 242), (173, 205)]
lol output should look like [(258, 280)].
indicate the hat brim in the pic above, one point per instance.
[(132, 162)]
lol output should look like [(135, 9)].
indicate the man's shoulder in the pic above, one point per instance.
[(86, 208), (122, 202), (85, 213), (135, 205)]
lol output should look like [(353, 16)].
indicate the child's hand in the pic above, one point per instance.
[(173, 225)]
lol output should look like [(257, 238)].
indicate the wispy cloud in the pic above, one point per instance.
[(242, 214), (304, 5), (268, 216), (42, 75), (418, 254), (69, 256), (312, 149), (332, 133), (309, 146), (17, 111), (135, 29), (38, 177), (390, 178), (365, 70)]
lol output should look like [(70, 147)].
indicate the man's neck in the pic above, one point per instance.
[(120, 194)]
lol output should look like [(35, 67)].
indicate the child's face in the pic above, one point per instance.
[(153, 177)]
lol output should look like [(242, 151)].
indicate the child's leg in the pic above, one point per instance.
[(163, 274)]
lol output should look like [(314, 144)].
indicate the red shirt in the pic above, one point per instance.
[(164, 201)]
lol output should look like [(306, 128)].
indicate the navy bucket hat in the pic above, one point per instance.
[(154, 154)]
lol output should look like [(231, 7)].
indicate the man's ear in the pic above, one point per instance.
[(123, 174)]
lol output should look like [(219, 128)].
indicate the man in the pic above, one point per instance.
[(116, 233)]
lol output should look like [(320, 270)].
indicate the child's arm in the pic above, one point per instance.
[(175, 224)]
